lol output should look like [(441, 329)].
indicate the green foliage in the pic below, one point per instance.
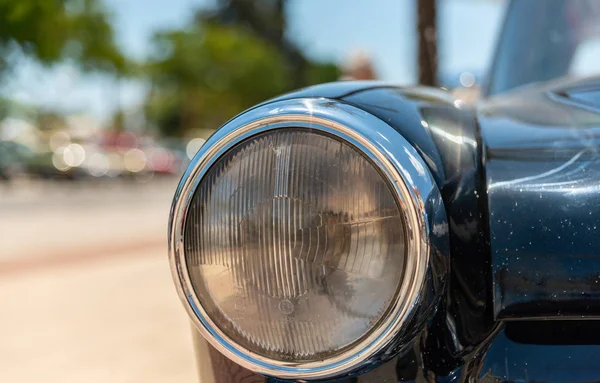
[(50, 121), (52, 30), (319, 73), (202, 75), (205, 75), (3, 108), (16, 109), (209, 74)]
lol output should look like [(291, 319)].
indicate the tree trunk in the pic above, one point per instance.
[(427, 33)]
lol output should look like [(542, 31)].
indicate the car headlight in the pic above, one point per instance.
[(298, 238)]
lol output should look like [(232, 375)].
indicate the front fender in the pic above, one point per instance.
[(445, 135)]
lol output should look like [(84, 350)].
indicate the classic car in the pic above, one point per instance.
[(364, 232)]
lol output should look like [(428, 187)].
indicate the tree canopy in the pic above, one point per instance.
[(230, 59), (53, 30)]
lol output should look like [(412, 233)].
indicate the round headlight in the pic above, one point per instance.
[(295, 245), (299, 241)]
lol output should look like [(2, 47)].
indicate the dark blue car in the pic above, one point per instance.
[(364, 232)]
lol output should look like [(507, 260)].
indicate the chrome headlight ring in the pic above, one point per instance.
[(397, 160)]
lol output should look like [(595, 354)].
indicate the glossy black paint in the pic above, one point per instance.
[(551, 351), (543, 352), (446, 136), (530, 160), (543, 176)]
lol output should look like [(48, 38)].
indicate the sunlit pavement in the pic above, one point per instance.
[(54, 220), (83, 307)]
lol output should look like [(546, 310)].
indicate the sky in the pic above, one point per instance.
[(327, 30)]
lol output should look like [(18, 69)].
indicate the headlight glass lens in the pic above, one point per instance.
[(295, 245)]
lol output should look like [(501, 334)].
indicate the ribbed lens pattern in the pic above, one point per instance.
[(294, 245)]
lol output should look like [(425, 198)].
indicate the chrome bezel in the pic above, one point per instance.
[(409, 180)]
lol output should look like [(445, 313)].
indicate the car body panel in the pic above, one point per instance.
[(541, 153), (522, 136), (445, 135)]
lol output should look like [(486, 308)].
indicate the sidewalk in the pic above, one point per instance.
[(115, 319)]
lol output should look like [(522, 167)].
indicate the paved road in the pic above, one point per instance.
[(85, 288), (45, 220)]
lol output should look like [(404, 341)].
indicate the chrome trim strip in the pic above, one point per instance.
[(412, 184)]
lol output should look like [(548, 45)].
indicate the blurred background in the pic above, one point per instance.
[(102, 105)]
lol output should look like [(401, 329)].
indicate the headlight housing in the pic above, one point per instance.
[(299, 238)]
